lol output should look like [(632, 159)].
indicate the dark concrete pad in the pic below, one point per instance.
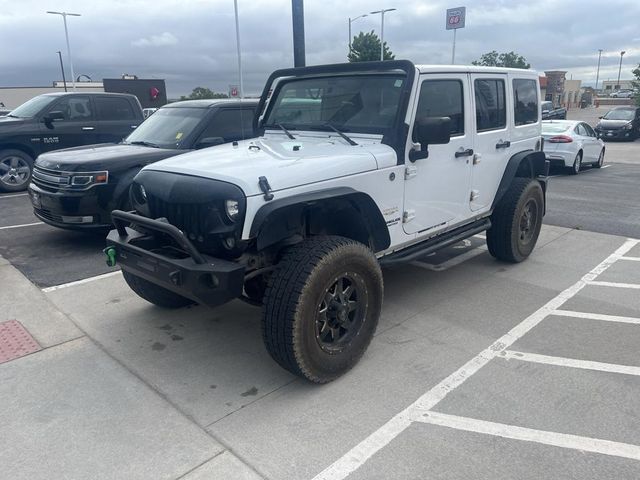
[(16, 209), (557, 399), (440, 453), (606, 300), (584, 339)]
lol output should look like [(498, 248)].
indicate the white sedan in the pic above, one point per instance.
[(572, 144)]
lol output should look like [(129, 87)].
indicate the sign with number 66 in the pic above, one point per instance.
[(456, 17)]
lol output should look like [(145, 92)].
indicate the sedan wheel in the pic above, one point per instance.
[(577, 164), (600, 161)]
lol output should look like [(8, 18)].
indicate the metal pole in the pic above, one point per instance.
[(66, 34), (619, 69), (382, 37), (235, 6), (598, 71), (349, 34), (64, 80), (297, 13), (453, 53)]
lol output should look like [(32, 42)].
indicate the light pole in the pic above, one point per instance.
[(382, 12), (64, 80), (66, 34), (235, 6), (598, 71), (351, 20), (620, 68)]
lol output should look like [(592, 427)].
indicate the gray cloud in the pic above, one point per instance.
[(193, 43)]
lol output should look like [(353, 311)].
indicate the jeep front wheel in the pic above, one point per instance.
[(322, 307), (516, 221)]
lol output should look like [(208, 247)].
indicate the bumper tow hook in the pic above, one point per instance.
[(110, 252)]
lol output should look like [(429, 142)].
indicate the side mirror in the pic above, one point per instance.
[(601, 117), (209, 142), (430, 131), (52, 116)]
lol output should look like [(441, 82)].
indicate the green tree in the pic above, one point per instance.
[(366, 48), (636, 83), (495, 59), (200, 93)]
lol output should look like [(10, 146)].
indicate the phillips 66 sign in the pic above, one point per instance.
[(455, 18)]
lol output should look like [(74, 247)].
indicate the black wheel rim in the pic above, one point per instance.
[(341, 313), (528, 222), (14, 171)]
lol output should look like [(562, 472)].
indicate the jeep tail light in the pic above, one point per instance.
[(560, 139)]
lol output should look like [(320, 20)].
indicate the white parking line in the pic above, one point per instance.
[(358, 455), (616, 284), (14, 195), (596, 316), (20, 226), (570, 362), (563, 440), (605, 166), (80, 282), (631, 259)]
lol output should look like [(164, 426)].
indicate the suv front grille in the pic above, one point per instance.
[(51, 179)]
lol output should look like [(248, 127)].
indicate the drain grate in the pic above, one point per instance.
[(15, 341)]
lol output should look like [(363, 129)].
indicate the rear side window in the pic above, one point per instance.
[(231, 124), (525, 107), (75, 109), (580, 130), (443, 98), (491, 112), (113, 108)]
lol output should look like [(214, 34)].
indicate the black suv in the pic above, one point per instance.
[(60, 120), (79, 187)]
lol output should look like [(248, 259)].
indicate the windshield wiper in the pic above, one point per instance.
[(283, 128), (144, 144), (332, 127)]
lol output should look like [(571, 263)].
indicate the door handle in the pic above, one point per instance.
[(134, 126), (88, 128), (505, 144), (464, 153)]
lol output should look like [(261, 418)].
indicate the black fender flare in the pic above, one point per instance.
[(528, 163), (362, 202)]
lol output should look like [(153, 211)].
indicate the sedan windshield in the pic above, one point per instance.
[(351, 103), (619, 115), (168, 127), (32, 107)]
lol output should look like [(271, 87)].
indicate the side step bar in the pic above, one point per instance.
[(436, 243)]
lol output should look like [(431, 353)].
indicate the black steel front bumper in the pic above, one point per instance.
[(180, 267)]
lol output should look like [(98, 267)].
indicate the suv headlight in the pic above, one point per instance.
[(232, 208), (90, 178), (628, 126)]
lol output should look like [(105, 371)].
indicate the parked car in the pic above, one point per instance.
[(60, 120), (79, 187), (4, 111), (356, 165), (622, 94), (620, 123), (572, 144), (550, 112), (147, 112)]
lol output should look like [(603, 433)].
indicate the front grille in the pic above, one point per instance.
[(189, 218), (46, 214), (50, 179)]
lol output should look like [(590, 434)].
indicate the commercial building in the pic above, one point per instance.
[(13, 97), (612, 85)]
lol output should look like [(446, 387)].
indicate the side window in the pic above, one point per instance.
[(589, 130), (231, 124), (113, 108), (580, 130), (525, 101), (443, 98), (491, 112), (75, 109)]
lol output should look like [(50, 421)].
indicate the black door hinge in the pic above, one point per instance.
[(266, 188)]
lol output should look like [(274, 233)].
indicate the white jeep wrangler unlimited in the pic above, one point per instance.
[(355, 166)]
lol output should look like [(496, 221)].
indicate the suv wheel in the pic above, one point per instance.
[(516, 221), (154, 294), (15, 170), (322, 307)]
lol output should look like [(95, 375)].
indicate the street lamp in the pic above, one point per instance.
[(598, 71), (351, 20), (235, 7), (64, 80), (620, 68), (382, 12), (66, 34)]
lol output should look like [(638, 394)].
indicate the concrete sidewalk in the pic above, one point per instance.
[(72, 411)]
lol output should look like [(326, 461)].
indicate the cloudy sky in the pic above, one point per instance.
[(192, 42)]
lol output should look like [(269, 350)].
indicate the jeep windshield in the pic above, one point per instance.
[(364, 103), (167, 128), (32, 107)]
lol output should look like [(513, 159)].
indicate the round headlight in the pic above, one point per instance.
[(233, 209)]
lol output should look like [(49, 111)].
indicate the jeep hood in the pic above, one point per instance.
[(285, 163)]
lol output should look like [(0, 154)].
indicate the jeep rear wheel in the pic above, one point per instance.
[(516, 221), (155, 294), (322, 307)]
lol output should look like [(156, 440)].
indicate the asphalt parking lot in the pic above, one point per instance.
[(478, 369)]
